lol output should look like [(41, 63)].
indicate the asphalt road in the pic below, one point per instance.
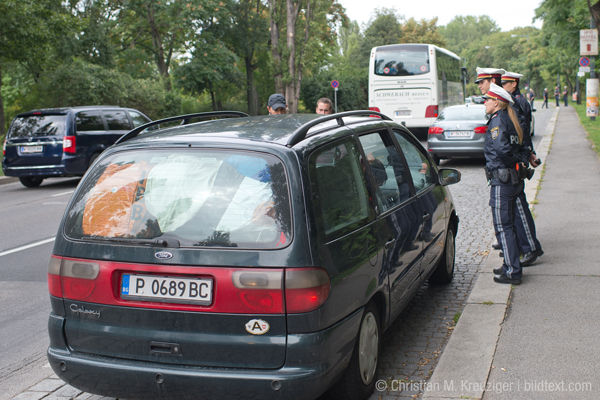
[(28, 217)]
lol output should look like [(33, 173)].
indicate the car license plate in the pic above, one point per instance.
[(402, 113), (166, 289), (31, 149), (458, 134)]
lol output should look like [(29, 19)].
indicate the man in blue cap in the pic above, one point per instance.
[(277, 104)]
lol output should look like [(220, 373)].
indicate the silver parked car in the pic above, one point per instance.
[(458, 132)]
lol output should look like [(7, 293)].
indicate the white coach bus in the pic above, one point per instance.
[(412, 83)]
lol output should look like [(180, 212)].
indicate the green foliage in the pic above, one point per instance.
[(591, 127), (80, 83), (352, 93)]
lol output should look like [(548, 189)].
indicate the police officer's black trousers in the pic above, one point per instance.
[(503, 200), (525, 226)]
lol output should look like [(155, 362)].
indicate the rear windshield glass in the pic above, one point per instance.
[(201, 198), (38, 125), (402, 61), (463, 114)]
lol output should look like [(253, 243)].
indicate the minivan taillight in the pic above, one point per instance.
[(431, 111), (436, 130), (69, 144), (72, 279), (306, 289), (481, 129), (4, 149)]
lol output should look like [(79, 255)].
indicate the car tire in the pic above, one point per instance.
[(444, 272), (358, 380), (436, 160), (93, 158), (31, 181)]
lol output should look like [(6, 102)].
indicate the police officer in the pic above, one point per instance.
[(503, 151), (529, 245), (487, 76)]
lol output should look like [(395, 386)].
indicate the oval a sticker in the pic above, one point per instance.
[(257, 326)]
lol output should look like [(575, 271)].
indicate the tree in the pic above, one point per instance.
[(461, 31), (249, 35), (211, 68), (164, 27), (27, 27), (315, 20), (423, 31)]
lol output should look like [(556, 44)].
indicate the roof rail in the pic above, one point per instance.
[(300, 134), (185, 119)]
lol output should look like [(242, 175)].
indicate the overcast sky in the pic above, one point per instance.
[(508, 14)]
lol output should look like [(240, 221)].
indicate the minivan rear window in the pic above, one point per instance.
[(38, 125), (202, 198)]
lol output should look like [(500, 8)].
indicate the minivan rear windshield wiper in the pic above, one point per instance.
[(160, 242)]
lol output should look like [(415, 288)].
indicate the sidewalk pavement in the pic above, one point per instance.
[(538, 340), (8, 179)]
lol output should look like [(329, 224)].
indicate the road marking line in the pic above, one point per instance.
[(62, 194), (4, 253)]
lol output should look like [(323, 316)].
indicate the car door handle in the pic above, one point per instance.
[(426, 216), (390, 244)]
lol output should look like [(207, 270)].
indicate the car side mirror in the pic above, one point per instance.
[(448, 176)]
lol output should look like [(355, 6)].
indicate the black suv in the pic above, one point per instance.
[(250, 257), (57, 142)]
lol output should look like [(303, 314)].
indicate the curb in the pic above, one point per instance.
[(8, 179), (463, 369)]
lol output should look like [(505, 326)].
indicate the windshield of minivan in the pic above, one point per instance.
[(38, 125), (201, 198)]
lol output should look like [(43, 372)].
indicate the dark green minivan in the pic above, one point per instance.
[(246, 257)]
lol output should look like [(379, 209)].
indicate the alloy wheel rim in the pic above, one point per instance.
[(367, 347)]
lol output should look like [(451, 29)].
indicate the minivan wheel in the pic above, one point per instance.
[(358, 380), (31, 181), (93, 158), (444, 272)]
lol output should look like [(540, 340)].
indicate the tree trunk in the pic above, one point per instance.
[(2, 116), (275, 46), (290, 87), (306, 36), (212, 97), (163, 68), (251, 93)]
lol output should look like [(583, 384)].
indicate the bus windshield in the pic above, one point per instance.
[(402, 60)]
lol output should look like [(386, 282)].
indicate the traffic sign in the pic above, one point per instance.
[(335, 84), (584, 61), (588, 42)]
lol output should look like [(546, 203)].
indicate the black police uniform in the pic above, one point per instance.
[(502, 152), (524, 224)]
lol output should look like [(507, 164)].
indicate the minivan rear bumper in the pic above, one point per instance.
[(35, 170), (314, 361), (70, 166)]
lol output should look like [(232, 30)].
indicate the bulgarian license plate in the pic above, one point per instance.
[(167, 289), (458, 134), (402, 113), (31, 149)]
